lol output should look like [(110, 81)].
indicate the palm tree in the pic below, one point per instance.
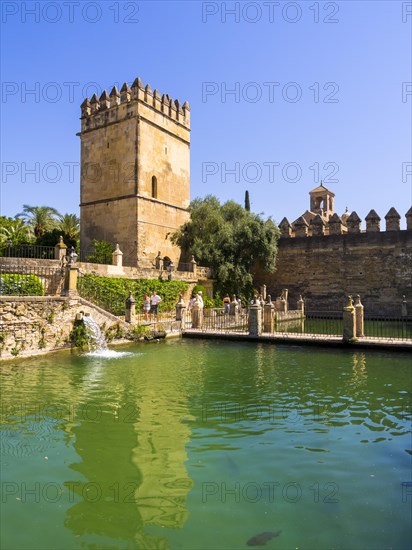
[(17, 232), (70, 225), (39, 218)]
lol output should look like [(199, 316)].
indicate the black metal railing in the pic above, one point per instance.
[(327, 323), (23, 280), (382, 327), (33, 251), (215, 320)]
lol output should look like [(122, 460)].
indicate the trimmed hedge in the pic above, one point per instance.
[(111, 293), (16, 284)]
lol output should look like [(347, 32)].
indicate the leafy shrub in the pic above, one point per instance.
[(102, 253), (16, 284), (78, 336), (111, 293)]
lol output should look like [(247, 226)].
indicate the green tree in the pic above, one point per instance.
[(231, 240), (247, 201), (69, 224), (15, 230), (102, 253), (39, 218)]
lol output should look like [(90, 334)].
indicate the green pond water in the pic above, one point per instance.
[(191, 444)]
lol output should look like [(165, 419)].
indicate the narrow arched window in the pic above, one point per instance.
[(154, 187)]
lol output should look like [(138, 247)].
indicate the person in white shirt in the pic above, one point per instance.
[(200, 298), (154, 303)]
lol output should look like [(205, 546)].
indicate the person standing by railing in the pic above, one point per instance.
[(226, 304), (155, 299), (146, 306)]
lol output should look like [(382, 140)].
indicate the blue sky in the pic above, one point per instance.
[(321, 90)]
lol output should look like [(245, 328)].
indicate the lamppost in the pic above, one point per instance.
[(72, 256), (170, 269), (9, 243)]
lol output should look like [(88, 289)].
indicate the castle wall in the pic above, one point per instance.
[(325, 269)]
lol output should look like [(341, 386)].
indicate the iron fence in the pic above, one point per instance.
[(23, 280), (381, 327), (328, 323), (33, 251), (216, 320)]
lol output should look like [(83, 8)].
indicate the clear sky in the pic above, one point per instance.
[(320, 90)]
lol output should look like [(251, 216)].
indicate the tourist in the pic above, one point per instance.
[(200, 299), (146, 306), (154, 302), (226, 304), (192, 301)]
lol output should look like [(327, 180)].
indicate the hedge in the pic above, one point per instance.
[(16, 284), (111, 293)]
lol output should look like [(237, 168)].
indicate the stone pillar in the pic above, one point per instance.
[(70, 281), (317, 225), (117, 257), (193, 268), (301, 305), (181, 309), (60, 250), (263, 291), (255, 320), (281, 304), (268, 316), (349, 321), (197, 315), (335, 225), (404, 307), (359, 318), (285, 296), (130, 309), (234, 307)]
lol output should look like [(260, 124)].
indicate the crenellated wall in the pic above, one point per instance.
[(324, 268)]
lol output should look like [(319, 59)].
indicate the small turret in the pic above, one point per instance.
[(86, 108), (393, 220), (114, 97), (104, 101), (353, 223), (373, 222), (408, 217), (301, 227), (125, 93), (335, 225), (94, 103), (317, 226), (285, 228)]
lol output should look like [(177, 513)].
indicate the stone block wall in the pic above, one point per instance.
[(33, 325), (325, 269)]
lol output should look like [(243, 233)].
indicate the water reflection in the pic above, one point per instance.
[(128, 440)]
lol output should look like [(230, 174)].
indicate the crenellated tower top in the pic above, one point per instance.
[(98, 112)]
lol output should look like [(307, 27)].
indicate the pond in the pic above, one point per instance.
[(191, 444)]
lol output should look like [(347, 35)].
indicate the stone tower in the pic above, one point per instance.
[(135, 171), (321, 202)]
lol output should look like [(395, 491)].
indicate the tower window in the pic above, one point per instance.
[(154, 187)]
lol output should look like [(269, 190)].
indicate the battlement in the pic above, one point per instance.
[(97, 112), (337, 225)]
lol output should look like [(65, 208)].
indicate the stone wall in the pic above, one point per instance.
[(30, 325), (324, 269)]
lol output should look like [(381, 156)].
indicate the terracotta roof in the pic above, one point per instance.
[(321, 189)]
